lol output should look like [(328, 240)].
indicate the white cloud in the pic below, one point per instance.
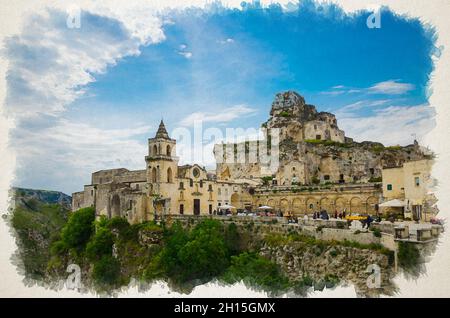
[(51, 64), (226, 41), (363, 104), (392, 125), (391, 87), (187, 55), (221, 116), (64, 153)]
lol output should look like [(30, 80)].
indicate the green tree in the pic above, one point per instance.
[(106, 271), (101, 244), (232, 239), (206, 254), (175, 238), (79, 228), (200, 254), (256, 270)]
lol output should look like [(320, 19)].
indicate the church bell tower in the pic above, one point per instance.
[(162, 163)]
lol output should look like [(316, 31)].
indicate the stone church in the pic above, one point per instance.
[(162, 188)]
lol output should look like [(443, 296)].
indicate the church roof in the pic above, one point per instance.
[(162, 132)]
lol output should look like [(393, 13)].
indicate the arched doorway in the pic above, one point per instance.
[(235, 201), (284, 206), (297, 206), (311, 205), (356, 205), (271, 203), (340, 205), (115, 206), (325, 204)]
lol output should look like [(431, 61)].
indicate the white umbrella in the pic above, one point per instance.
[(226, 207), (265, 207)]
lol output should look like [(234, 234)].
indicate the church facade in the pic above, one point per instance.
[(162, 188)]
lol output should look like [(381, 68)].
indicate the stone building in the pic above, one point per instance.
[(319, 168), (162, 188), (410, 184), (313, 150)]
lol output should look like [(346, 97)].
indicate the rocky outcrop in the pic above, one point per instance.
[(328, 265), (313, 149), (23, 196), (150, 235)]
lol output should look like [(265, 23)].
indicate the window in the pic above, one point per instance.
[(181, 185), (155, 150), (417, 181), (168, 150), (318, 137), (372, 171), (210, 187), (154, 175), (191, 183), (196, 172), (201, 183), (92, 192), (389, 187), (210, 209), (169, 175), (137, 186), (181, 208)]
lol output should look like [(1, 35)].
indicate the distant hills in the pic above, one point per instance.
[(23, 196)]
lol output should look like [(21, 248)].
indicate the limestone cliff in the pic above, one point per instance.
[(313, 150)]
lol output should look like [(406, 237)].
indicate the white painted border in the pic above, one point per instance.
[(437, 281)]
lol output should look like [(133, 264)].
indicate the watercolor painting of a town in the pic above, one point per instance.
[(275, 149)]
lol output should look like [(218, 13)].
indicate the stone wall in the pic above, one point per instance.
[(326, 230), (301, 200), (332, 265)]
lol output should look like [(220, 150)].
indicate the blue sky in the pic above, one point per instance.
[(236, 57), (111, 88)]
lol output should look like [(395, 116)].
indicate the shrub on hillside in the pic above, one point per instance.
[(79, 228)]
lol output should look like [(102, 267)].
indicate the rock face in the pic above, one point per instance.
[(22, 195), (312, 149), (294, 105), (331, 265)]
